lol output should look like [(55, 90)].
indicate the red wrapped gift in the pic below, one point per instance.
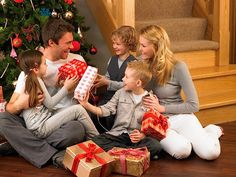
[(88, 160), (130, 161), (72, 68), (154, 125)]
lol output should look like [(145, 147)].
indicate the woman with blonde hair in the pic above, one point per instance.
[(170, 76)]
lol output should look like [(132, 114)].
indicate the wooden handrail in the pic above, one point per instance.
[(122, 11), (217, 14), (220, 31)]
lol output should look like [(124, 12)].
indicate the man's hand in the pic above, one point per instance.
[(17, 103)]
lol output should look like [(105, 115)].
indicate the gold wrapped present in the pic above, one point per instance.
[(130, 161), (88, 160)]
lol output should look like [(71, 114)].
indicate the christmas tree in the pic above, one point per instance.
[(20, 29)]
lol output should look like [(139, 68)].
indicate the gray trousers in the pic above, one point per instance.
[(107, 142), (35, 150), (75, 112)]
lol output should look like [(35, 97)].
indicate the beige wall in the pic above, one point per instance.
[(94, 36)]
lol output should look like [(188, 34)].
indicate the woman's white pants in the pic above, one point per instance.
[(185, 133)]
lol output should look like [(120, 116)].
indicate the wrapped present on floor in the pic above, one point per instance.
[(154, 124), (2, 101), (130, 161), (88, 160), (72, 68), (85, 83)]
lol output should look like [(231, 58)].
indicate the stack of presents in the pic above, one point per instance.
[(89, 160)]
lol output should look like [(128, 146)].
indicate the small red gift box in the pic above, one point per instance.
[(72, 68), (154, 125), (88, 160), (130, 161)]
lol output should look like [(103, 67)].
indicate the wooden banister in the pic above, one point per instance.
[(110, 14), (221, 30), (217, 14)]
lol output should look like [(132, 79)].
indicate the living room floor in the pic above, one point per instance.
[(165, 166)]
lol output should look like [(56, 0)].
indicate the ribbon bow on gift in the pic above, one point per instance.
[(123, 153), (161, 120), (158, 120), (91, 152)]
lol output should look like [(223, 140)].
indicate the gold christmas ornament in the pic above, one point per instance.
[(3, 2), (68, 15)]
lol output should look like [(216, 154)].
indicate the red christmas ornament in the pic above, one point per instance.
[(68, 1), (76, 46), (19, 1), (17, 41), (93, 50)]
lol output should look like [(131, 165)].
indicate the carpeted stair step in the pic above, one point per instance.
[(184, 46), (156, 9), (179, 29)]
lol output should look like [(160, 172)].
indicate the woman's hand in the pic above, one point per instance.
[(71, 83), (136, 136), (100, 81), (152, 102)]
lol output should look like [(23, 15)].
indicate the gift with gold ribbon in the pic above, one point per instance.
[(72, 68), (154, 124), (130, 161), (88, 160)]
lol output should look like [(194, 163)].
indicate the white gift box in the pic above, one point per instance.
[(2, 105), (85, 83), (2, 101)]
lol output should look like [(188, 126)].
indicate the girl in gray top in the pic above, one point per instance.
[(41, 119), (169, 78)]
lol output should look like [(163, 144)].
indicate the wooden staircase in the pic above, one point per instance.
[(206, 54)]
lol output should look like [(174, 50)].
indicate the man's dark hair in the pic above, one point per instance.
[(54, 29)]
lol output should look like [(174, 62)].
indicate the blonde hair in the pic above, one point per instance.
[(163, 61), (127, 35), (142, 71)]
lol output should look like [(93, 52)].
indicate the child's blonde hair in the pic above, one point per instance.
[(127, 35), (142, 71)]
